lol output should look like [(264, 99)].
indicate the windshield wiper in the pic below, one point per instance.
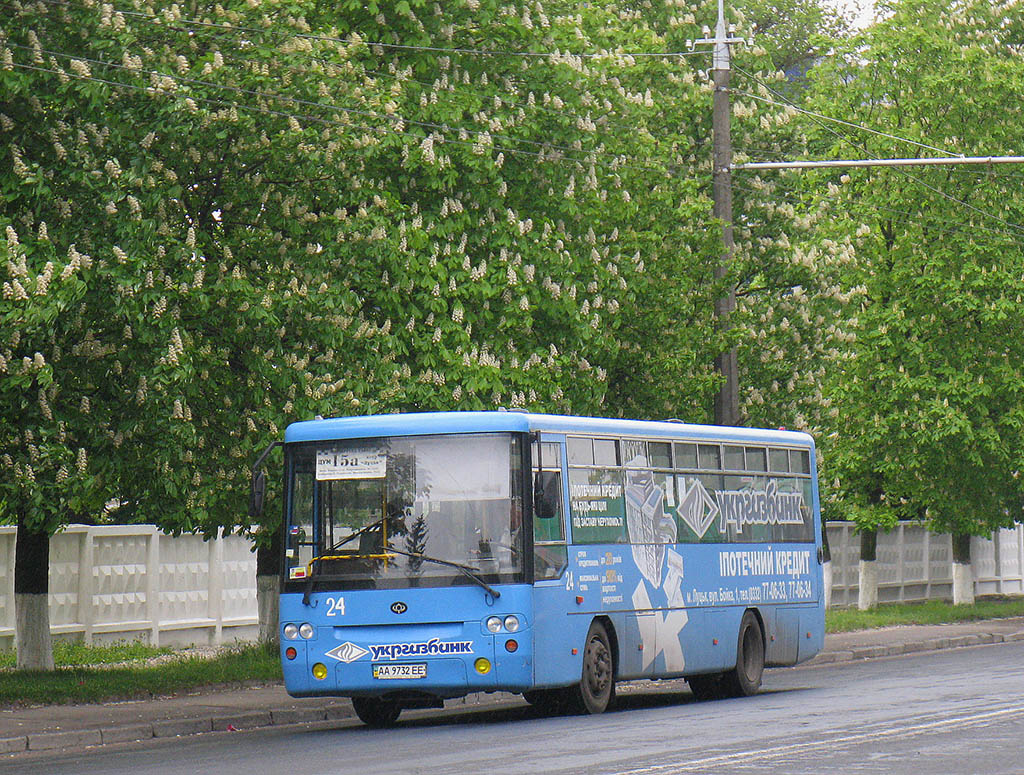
[(467, 571), (312, 574), (359, 532)]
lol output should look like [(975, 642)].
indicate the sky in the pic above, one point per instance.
[(861, 10)]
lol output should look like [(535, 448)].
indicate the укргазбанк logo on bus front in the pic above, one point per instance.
[(347, 652), (432, 647), (350, 652)]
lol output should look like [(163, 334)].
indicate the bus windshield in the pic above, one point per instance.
[(404, 511)]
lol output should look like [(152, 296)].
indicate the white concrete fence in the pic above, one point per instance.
[(914, 565), (132, 581), (139, 583)]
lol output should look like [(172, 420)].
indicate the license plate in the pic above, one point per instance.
[(400, 671)]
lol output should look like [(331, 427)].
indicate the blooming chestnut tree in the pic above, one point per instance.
[(219, 223), (223, 217), (931, 398)]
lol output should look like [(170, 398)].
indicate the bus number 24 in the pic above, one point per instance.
[(335, 606)]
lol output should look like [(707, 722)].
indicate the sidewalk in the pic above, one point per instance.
[(56, 727)]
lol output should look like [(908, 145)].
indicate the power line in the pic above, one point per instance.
[(599, 122), (798, 197), (286, 98), (999, 170), (395, 46), (920, 219), (915, 179), (840, 121), (577, 162)]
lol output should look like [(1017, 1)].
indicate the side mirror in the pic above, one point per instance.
[(258, 484), (257, 490), (547, 494)]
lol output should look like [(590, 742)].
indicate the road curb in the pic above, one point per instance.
[(75, 738), (14, 744), (915, 647), (127, 734), (174, 727)]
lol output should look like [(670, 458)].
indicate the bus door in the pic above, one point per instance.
[(553, 589)]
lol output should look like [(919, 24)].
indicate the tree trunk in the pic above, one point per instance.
[(31, 598), (963, 573), (268, 588), (867, 594)]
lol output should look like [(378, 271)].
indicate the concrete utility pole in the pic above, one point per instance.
[(727, 401)]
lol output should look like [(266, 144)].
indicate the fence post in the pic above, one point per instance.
[(901, 548), (10, 538), (86, 562), (927, 543), (215, 581), (847, 572), (153, 586), (1020, 556), (997, 539)]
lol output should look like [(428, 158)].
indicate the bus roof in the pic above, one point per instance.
[(433, 423)]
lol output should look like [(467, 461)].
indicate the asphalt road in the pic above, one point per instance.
[(957, 711)]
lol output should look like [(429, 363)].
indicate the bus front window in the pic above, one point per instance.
[(381, 512)]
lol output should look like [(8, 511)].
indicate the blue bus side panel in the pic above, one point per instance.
[(442, 628), (557, 631), (677, 610)]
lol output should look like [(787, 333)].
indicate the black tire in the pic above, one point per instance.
[(596, 688), (375, 712), (706, 687), (744, 680)]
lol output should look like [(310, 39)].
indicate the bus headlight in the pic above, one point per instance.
[(306, 630), (494, 624), (511, 623), (291, 632), (319, 671), (483, 666)]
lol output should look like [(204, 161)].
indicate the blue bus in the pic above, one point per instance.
[(429, 556)]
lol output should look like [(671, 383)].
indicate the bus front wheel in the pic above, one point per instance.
[(597, 683), (745, 679), (375, 712)]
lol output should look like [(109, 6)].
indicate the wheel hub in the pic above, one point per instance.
[(599, 666)]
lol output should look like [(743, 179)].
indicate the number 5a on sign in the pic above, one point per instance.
[(351, 464)]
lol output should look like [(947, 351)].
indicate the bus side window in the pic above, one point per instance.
[(547, 512), (547, 491), (550, 555)]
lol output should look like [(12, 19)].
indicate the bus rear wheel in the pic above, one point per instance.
[(597, 684), (375, 712), (745, 679)]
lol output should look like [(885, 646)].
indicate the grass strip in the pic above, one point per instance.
[(75, 653), (80, 684), (931, 612)]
